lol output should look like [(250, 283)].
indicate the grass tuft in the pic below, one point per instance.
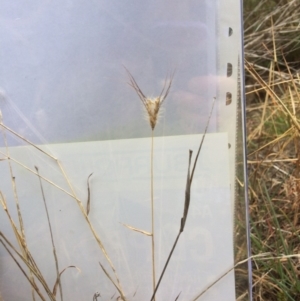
[(272, 52)]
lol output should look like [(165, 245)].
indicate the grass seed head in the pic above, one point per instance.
[(152, 105)]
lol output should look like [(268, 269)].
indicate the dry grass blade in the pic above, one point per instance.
[(34, 269), (258, 15), (21, 241), (73, 194), (223, 275), (272, 93), (202, 140), (32, 283), (292, 78), (165, 266), (163, 95), (113, 282), (135, 86), (88, 203), (45, 179), (57, 282), (17, 233), (96, 236), (51, 235), (263, 257), (25, 140), (177, 296), (187, 195), (27, 258), (30, 263), (136, 229), (187, 200), (287, 133)]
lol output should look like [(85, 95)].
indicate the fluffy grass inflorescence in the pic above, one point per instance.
[(151, 104), (272, 51)]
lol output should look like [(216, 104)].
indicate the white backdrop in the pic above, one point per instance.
[(120, 193)]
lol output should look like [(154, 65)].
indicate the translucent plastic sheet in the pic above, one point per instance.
[(77, 79)]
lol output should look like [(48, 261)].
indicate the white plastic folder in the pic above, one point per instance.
[(102, 104)]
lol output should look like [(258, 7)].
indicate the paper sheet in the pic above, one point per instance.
[(120, 193)]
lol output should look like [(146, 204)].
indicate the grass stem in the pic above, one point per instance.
[(152, 215), (51, 234), (22, 242)]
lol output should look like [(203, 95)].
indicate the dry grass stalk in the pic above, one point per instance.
[(189, 181), (52, 239), (30, 279), (88, 203), (136, 229), (57, 282), (152, 106), (30, 263), (22, 242), (72, 194), (112, 281)]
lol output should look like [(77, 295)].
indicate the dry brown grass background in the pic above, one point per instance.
[(272, 62)]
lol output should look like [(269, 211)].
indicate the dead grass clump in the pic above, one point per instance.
[(273, 103)]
